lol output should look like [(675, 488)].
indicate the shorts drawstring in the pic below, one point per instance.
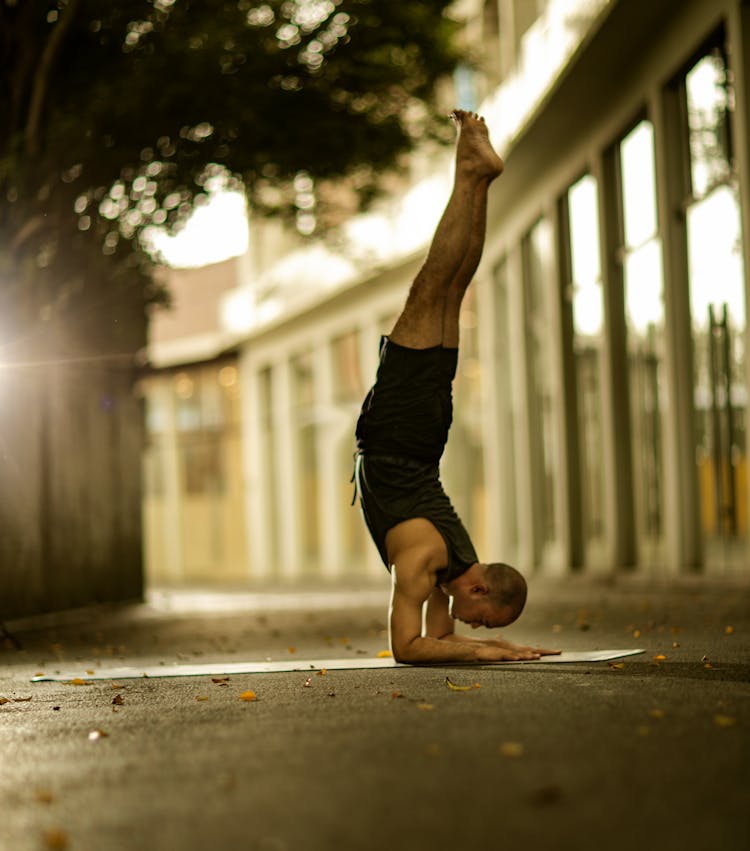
[(356, 458)]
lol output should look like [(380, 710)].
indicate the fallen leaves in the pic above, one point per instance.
[(616, 666), (56, 839), (724, 720), (4, 700), (656, 713), (118, 700), (248, 696), (426, 707), (77, 681), (455, 687), (384, 654), (511, 750)]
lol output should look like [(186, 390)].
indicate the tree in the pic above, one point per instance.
[(117, 116), (122, 113)]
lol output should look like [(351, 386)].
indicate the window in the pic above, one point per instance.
[(588, 320)]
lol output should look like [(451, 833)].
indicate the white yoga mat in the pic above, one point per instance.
[(255, 667)]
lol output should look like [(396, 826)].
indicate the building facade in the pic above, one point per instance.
[(600, 402)]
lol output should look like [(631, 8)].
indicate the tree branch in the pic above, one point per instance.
[(44, 71)]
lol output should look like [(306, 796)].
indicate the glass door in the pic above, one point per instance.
[(640, 254), (718, 312), (543, 391), (588, 339)]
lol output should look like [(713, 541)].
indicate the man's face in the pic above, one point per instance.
[(479, 612)]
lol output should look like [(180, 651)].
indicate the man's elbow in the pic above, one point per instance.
[(405, 652), (400, 655)]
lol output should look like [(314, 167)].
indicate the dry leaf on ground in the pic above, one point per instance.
[(455, 687), (656, 713), (56, 839), (511, 749), (248, 696)]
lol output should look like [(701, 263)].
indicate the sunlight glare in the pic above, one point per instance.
[(214, 232)]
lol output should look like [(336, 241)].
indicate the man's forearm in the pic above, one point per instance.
[(425, 650), (461, 639)]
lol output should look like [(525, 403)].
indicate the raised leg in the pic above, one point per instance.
[(456, 246), (466, 270)]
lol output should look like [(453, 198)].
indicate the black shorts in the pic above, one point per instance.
[(401, 433), (409, 410)]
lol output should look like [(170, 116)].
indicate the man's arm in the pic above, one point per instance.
[(412, 586)]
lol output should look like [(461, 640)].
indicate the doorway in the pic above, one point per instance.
[(717, 311)]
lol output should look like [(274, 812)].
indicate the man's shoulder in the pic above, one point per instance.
[(419, 541)]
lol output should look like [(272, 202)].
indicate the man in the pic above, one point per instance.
[(401, 434)]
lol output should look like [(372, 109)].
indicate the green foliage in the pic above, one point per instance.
[(122, 114)]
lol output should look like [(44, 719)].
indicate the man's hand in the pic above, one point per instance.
[(519, 648), (485, 652)]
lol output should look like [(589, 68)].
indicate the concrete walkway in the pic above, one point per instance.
[(650, 753)]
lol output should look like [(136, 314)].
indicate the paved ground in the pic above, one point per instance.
[(651, 755)]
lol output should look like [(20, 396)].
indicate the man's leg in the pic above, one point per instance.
[(457, 244), (465, 274)]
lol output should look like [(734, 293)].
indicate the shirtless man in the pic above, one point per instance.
[(401, 434)]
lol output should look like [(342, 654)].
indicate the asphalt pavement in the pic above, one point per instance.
[(650, 752)]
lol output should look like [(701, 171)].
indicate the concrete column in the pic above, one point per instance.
[(258, 469), (287, 477), (562, 558), (326, 441), (529, 548), (618, 470), (174, 569), (571, 487), (681, 492), (738, 37)]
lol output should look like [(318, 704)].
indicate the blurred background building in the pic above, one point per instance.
[(600, 402)]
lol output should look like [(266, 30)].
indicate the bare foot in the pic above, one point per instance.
[(474, 152)]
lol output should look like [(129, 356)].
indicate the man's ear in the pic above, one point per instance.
[(479, 589)]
